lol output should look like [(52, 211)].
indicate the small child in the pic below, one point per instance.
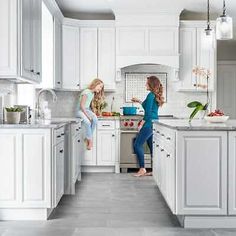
[(94, 94)]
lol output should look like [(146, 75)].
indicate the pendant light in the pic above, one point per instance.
[(224, 26), (208, 35)]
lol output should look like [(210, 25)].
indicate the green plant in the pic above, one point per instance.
[(198, 106), (13, 109)]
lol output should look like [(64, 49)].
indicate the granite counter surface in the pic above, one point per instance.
[(201, 125)]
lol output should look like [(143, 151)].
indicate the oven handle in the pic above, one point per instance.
[(128, 131)]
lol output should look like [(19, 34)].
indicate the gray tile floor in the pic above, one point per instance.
[(109, 205)]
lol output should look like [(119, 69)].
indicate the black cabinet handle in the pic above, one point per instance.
[(78, 141), (168, 138), (62, 134), (58, 82), (162, 135), (77, 129), (32, 71), (58, 136), (113, 135), (77, 84), (38, 73), (162, 150), (61, 151), (168, 155)]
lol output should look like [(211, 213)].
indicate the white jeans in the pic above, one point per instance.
[(89, 126)]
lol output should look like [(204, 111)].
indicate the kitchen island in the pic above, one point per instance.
[(194, 166)]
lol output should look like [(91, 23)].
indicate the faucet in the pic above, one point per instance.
[(54, 99)]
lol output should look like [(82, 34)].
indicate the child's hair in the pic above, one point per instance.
[(98, 97), (157, 88)]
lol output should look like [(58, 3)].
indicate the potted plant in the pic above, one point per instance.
[(13, 115), (198, 106)]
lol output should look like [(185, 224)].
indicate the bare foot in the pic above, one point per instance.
[(89, 144), (148, 174), (141, 172)]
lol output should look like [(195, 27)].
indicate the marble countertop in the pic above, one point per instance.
[(183, 124), (54, 123)]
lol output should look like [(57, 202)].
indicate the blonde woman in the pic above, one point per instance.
[(151, 106), (94, 94)]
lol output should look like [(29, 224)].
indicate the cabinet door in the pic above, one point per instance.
[(59, 171), (57, 53), (106, 56), (36, 161), (232, 174), (188, 57), (36, 38), (106, 147), (70, 67), (89, 157), (201, 166), (75, 158), (8, 38), (206, 58), (154, 160), (9, 168), (88, 55), (27, 69)]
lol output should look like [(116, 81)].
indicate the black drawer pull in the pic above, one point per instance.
[(78, 141), (113, 135), (158, 132), (162, 135), (162, 150), (32, 70), (77, 129), (106, 125), (58, 136), (62, 134), (168, 155), (61, 151), (168, 138), (38, 73), (58, 82)]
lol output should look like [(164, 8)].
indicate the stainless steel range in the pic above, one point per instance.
[(129, 130)]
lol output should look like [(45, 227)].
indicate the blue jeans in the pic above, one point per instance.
[(144, 135), (89, 126)]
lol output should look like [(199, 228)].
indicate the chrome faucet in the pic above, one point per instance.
[(54, 99)]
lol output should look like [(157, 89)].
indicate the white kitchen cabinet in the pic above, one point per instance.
[(106, 56), (201, 165), (57, 53), (194, 53), (31, 51), (20, 43), (88, 55), (8, 38), (232, 174), (106, 144), (59, 171), (147, 41), (70, 57)]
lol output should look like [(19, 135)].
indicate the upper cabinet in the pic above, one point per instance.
[(88, 53), (70, 59), (194, 52), (20, 58), (147, 41)]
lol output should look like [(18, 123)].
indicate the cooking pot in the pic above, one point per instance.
[(129, 110)]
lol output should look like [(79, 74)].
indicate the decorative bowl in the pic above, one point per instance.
[(216, 119)]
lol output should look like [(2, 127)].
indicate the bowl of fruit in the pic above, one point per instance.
[(216, 116)]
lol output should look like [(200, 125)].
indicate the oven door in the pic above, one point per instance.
[(127, 156)]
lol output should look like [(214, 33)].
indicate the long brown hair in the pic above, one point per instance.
[(98, 97), (157, 88)]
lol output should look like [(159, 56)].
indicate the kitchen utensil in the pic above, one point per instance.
[(129, 110)]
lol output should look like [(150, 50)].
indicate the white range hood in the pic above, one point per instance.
[(147, 39)]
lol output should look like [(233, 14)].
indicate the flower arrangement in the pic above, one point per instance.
[(202, 74)]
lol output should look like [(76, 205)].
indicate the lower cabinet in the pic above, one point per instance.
[(190, 169), (106, 144), (59, 171), (105, 149), (232, 174)]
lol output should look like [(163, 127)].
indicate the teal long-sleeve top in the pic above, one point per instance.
[(150, 106)]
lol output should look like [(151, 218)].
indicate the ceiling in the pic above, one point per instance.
[(111, 6)]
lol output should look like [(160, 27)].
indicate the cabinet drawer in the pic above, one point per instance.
[(59, 135), (75, 128), (106, 124)]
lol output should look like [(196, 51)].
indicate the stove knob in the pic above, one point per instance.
[(131, 124), (125, 124)]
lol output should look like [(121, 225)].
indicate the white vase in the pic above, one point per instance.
[(13, 117)]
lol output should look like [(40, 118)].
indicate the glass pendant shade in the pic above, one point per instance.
[(208, 39), (224, 28)]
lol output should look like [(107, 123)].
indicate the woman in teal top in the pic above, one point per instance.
[(151, 105)]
